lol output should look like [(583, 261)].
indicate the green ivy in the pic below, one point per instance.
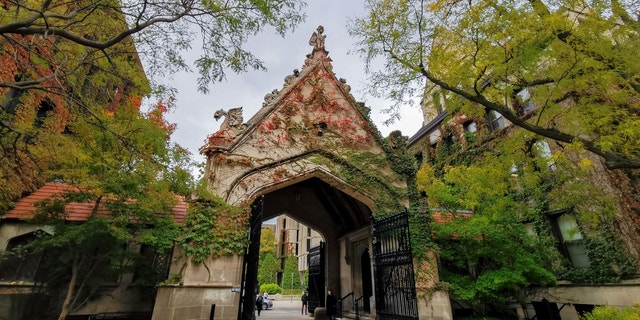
[(214, 228), (608, 261)]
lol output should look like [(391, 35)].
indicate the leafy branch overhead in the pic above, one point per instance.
[(568, 72), (72, 80), (161, 30)]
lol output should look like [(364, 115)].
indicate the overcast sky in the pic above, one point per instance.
[(194, 112)]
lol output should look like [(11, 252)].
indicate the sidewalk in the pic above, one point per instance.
[(285, 308)]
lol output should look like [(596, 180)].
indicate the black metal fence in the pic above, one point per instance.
[(395, 290)]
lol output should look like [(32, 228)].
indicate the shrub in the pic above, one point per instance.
[(613, 313), (271, 288)]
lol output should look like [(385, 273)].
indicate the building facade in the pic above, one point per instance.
[(582, 248)]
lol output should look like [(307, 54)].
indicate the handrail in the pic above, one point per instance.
[(356, 306), (346, 301)]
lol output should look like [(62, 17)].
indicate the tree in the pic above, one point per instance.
[(129, 174), (73, 85), (268, 269), (486, 255), (290, 275), (267, 242), (160, 29), (574, 63), (64, 63)]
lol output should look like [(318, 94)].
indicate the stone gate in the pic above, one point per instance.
[(312, 153)]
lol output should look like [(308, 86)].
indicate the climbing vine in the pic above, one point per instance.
[(214, 228)]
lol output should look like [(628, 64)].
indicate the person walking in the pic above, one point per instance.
[(259, 304), (304, 300), (332, 308)]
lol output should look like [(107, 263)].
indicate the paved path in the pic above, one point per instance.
[(284, 309)]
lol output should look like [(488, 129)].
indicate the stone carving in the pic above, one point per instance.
[(233, 118), (270, 97), (288, 79), (397, 141), (317, 39), (345, 86)]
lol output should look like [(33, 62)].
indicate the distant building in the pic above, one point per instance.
[(293, 237)]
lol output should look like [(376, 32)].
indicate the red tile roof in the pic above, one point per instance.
[(25, 207)]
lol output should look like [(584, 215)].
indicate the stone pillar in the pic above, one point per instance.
[(213, 282), (433, 303)]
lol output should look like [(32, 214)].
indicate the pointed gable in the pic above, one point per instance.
[(312, 126), (313, 108)]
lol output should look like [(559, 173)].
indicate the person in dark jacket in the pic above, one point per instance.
[(304, 300), (332, 305), (259, 304)]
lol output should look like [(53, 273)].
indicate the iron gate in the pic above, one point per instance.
[(315, 265), (395, 289), (250, 288)]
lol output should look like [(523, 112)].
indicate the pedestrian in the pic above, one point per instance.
[(265, 295), (259, 304), (331, 305), (304, 300)]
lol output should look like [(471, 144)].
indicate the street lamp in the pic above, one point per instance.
[(291, 286)]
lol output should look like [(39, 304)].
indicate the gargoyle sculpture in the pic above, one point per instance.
[(233, 118)]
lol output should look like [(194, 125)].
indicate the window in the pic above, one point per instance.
[(495, 120), (12, 98), (544, 151), (469, 126), (46, 107), (525, 103), (469, 131), (571, 241), (531, 228), (18, 264), (153, 267)]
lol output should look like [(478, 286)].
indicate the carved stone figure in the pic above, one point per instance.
[(270, 97), (317, 39), (233, 118), (288, 79), (346, 87)]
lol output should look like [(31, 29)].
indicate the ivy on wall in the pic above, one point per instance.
[(504, 181), (214, 228)]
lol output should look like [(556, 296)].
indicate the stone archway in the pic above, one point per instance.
[(310, 137)]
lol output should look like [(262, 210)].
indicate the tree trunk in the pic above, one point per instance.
[(66, 305)]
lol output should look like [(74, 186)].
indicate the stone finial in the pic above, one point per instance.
[(233, 118), (317, 39)]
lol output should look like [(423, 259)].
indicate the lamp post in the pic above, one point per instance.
[(291, 286)]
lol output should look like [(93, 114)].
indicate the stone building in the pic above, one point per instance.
[(18, 275), (575, 242), (293, 237)]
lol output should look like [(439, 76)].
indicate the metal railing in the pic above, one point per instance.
[(358, 305), (350, 306), (345, 304)]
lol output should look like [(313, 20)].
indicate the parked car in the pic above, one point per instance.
[(267, 304)]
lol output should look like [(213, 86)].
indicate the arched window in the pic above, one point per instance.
[(19, 263)]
